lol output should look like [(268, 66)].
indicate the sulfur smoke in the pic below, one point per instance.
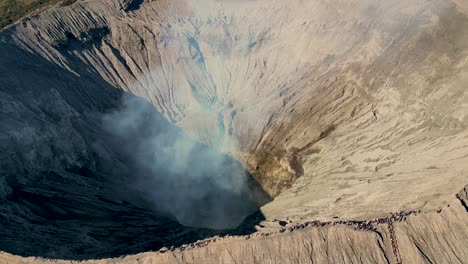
[(186, 180), (198, 185)]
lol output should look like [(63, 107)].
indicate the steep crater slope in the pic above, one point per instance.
[(75, 184), (339, 109), (89, 171)]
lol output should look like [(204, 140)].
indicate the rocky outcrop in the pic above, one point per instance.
[(463, 197)]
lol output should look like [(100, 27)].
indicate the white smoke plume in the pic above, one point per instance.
[(186, 180), (199, 185)]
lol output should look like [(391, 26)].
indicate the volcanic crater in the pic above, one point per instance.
[(336, 129)]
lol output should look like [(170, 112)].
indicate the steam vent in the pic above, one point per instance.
[(233, 131)]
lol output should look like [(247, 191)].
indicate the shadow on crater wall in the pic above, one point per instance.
[(71, 189), (191, 182)]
